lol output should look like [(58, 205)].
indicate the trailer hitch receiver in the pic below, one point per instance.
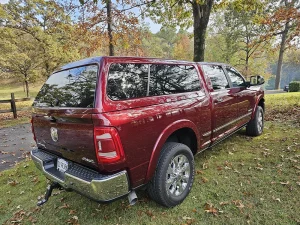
[(49, 190)]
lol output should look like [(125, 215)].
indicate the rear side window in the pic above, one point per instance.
[(217, 76), (127, 80), (69, 88), (172, 79)]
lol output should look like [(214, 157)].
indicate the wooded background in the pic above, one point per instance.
[(256, 36)]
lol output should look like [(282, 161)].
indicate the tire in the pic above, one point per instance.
[(256, 125), (169, 187)]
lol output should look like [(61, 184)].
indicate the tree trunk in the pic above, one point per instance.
[(109, 28), (280, 58), (27, 88), (247, 67), (201, 13)]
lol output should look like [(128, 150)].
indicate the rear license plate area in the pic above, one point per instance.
[(62, 165)]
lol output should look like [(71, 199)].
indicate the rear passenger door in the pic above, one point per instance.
[(224, 102)]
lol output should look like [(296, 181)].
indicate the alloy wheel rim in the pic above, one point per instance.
[(178, 174)]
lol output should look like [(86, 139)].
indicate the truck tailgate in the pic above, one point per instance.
[(66, 133)]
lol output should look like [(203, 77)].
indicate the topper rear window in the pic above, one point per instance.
[(69, 88)]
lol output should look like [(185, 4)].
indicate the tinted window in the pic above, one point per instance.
[(236, 79), (69, 88), (127, 80), (171, 79), (217, 76)]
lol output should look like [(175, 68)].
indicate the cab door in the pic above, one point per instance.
[(224, 107), (244, 96)]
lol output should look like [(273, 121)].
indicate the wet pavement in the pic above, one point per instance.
[(15, 145)]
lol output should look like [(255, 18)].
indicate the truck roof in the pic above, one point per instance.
[(92, 60), (97, 59)]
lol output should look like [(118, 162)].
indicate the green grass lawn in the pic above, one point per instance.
[(242, 180), (6, 90)]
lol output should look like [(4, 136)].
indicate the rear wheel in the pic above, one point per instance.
[(256, 125), (174, 175)]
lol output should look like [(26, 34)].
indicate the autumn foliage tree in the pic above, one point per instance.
[(237, 33), (118, 26), (34, 39), (185, 13), (282, 21), (39, 36)]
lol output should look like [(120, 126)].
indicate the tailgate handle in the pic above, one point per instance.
[(50, 118)]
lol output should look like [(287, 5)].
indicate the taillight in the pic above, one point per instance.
[(32, 129), (108, 145)]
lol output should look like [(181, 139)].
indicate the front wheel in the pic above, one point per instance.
[(174, 175), (256, 125)]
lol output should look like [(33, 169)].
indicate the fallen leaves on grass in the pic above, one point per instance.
[(64, 206), (13, 183), (73, 221), (204, 179), (188, 220), (72, 212), (285, 183), (224, 203), (199, 172), (35, 180), (149, 213), (209, 208), (276, 199), (18, 217), (238, 203)]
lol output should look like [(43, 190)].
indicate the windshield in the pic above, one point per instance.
[(69, 88)]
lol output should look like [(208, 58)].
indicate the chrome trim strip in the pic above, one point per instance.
[(231, 122), (206, 134), (104, 188)]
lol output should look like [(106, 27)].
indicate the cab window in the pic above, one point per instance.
[(173, 79), (217, 76), (236, 79)]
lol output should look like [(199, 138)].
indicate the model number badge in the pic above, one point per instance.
[(54, 134)]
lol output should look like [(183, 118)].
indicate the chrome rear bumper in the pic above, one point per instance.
[(87, 182)]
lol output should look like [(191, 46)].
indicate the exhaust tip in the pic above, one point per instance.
[(132, 198)]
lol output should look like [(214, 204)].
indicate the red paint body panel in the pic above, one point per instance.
[(144, 124), (75, 130)]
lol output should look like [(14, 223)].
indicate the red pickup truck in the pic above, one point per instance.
[(107, 126)]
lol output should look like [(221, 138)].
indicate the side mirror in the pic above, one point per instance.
[(256, 80)]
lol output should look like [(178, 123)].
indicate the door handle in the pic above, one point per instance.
[(219, 99), (52, 119)]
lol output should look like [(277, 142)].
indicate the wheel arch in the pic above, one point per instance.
[(185, 131), (259, 102)]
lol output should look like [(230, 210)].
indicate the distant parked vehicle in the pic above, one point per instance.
[(286, 88)]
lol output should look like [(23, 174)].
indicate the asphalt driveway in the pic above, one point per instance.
[(274, 91), (15, 145)]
